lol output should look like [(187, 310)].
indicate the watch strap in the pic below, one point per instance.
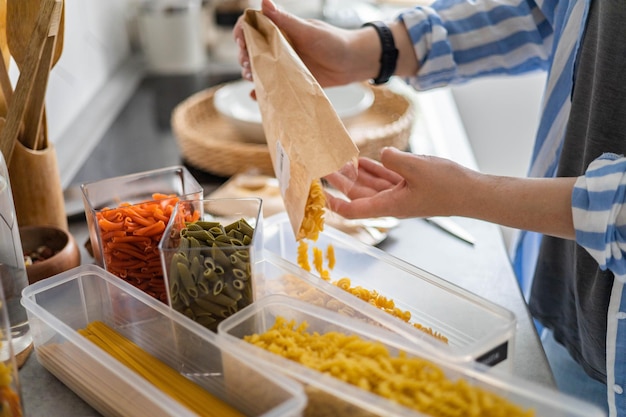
[(389, 55)]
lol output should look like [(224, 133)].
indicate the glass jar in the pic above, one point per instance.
[(12, 272)]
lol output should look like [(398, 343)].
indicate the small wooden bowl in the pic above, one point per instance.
[(67, 254)]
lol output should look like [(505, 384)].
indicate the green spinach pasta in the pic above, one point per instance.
[(210, 274)]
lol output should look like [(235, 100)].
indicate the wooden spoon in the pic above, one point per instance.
[(46, 27), (5, 83), (21, 18)]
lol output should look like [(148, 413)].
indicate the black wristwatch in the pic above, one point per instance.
[(389, 55)]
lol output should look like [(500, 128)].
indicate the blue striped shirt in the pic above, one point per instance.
[(459, 40)]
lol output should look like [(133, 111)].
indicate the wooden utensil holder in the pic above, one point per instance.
[(36, 185)]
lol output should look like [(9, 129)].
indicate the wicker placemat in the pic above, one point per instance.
[(209, 142)]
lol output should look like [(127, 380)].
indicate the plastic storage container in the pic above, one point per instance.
[(208, 254), (329, 396), (10, 394), (118, 244), (476, 329), (61, 305)]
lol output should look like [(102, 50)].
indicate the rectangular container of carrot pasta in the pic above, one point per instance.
[(59, 308), (351, 368), (127, 216), (459, 324)]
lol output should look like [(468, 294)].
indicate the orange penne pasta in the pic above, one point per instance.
[(160, 215), (112, 234), (153, 229), (130, 237), (138, 218), (107, 225)]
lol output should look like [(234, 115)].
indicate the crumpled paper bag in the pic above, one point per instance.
[(306, 138)]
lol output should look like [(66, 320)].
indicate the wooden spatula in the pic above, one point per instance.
[(21, 20), (5, 83), (47, 25)]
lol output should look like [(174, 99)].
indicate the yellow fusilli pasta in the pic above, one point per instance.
[(312, 226), (313, 222), (413, 382)]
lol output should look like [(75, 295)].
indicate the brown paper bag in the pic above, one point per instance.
[(306, 138)]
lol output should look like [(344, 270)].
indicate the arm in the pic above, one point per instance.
[(407, 185), (435, 45), (335, 56), (599, 212), (460, 40)]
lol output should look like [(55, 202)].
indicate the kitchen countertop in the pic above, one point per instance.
[(141, 139)]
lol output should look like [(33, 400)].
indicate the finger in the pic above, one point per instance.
[(243, 56), (340, 182), (376, 169), (287, 22), (246, 71), (401, 163), (269, 9), (367, 183), (376, 206), (373, 180), (238, 32)]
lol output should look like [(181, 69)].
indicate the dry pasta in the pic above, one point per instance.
[(210, 275), (413, 382), (130, 237), (10, 404), (313, 222), (312, 226), (157, 373)]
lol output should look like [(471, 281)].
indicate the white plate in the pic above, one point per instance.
[(233, 101)]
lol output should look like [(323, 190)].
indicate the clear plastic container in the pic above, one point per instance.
[(10, 392), (61, 305), (135, 259), (13, 276), (476, 329), (330, 396), (209, 264)]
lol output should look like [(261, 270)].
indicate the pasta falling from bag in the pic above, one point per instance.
[(305, 137)]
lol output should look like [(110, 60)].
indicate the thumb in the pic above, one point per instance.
[(282, 19), (397, 161)]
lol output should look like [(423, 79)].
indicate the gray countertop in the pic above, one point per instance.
[(484, 269)]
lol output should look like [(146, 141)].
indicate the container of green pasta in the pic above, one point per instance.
[(208, 253), (353, 369), (397, 295), (165, 364)]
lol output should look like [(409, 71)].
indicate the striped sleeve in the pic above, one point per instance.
[(599, 212), (456, 40)]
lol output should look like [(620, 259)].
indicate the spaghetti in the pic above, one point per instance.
[(158, 373)]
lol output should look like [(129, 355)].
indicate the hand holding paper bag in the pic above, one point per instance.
[(306, 138)]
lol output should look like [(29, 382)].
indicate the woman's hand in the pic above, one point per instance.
[(407, 185), (335, 56), (403, 185)]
